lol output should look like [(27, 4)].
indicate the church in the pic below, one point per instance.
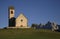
[(20, 22)]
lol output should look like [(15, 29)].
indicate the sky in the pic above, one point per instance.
[(37, 11)]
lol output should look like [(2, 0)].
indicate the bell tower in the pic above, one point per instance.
[(11, 12), (11, 17)]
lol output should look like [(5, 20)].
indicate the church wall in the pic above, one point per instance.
[(11, 14), (21, 21)]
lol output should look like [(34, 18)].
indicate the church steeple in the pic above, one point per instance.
[(11, 17), (11, 12)]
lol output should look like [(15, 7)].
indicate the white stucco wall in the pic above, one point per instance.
[(11, 15), (24, 23)]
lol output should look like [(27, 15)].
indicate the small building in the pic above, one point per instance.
[(20, 22)]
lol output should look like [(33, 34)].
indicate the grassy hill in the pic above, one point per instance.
[(28, 34)]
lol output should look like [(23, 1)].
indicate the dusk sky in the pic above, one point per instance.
[(37, 11)]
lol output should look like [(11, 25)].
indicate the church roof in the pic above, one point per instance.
[(21, 15), (11, 7)]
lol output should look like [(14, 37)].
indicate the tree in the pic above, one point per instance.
[(48, 25), (34, 26)]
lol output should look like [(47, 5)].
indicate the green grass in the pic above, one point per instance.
[(28, 34)]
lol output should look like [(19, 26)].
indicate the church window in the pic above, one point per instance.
[(21, 20), (11, 12)]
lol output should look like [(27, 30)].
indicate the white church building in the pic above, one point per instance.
[(20, 22)]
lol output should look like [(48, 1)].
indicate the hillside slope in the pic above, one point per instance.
[(28, 34)]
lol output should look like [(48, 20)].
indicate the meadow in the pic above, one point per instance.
[(28, 34)]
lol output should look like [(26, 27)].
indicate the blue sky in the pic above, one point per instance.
[(37, 11)]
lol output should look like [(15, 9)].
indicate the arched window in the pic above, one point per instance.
[(21, 25), (11, 12)]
